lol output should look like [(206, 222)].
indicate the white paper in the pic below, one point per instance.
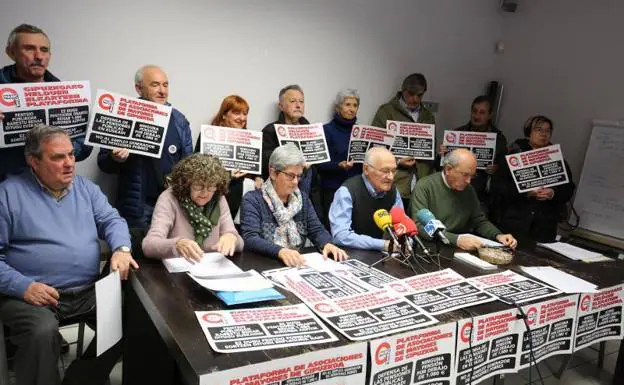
[(412, 140), (565, 282), (317, 262), (511, 287), (533, 169), (423, 356), (57, 104), (216, 262), (250, 282), (440, 292), (365, 137), (230, 331), (119, 121), (571, 251), (108, 312), (482, 145), (309, 138), (344, 365), (238, 149)]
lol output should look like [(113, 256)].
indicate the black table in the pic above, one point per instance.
[(164, 343)]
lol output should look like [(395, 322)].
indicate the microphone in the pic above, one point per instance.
[(433, 227), (405, 225), (383, 220)]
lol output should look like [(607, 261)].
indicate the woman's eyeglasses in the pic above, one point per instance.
[(290, 176)]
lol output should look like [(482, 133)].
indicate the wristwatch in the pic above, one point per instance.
[(123, 249)]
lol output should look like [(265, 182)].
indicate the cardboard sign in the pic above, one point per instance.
[(245, 330), (511, 287), (412, 140), (345, 365), (552, 325), (487, 346), (238, 149), (440, 292), (543, 167), (309, 138), (482, 144), (365, 137), (57, 104), (600, 317), (423, 356), (120, 121)]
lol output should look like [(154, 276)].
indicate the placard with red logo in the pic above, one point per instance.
[(412, 140), (309, 138), (482, 145), (440, 292), (489, 348), (120, 121), (345, 365), (511, 287), (244, 330), (543, 167), (364, 138), (238, 149), (423, 356), (355, 309), (57, 104), (552, 325), (599, 317)]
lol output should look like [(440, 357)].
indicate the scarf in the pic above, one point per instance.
[(202, 219), (286, 234)]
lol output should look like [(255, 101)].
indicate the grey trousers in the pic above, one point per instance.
[(34, 330)]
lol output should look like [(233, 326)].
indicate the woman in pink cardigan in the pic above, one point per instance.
[(192, 215)]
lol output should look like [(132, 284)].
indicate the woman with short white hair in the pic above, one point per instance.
[(277, 219)]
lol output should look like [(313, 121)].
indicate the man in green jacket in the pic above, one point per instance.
[(407, 106), (453, 201)]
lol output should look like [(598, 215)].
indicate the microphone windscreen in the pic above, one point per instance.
[(397, 214), (382, 219), (410, 226), (424, 216)]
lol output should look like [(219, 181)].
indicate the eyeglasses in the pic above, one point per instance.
[(542, 130), (290, 176), (385, 171), (201, 188)]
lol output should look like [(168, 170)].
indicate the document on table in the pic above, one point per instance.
[(215, 263), (108, 312), (243, 281), (319, 263), (565, 282), (574, 252)]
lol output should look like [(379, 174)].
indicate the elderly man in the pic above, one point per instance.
[(29, 48), (50, 222), (452, 200), (481, 121), (141, 178), (355, 202), (292, 107), (407, 106)]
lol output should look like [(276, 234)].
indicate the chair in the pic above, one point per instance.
[(4, 364)]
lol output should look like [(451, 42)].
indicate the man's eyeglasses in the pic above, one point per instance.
[(385, 171), (290, 176)]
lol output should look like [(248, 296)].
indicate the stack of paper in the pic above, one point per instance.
[(563, 281), (574, 252)]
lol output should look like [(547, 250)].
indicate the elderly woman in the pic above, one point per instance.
[(338, 134), (535, 214), (277, 219), (233, 113), (192, 215)]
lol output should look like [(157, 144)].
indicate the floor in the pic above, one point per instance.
[(582, 370)]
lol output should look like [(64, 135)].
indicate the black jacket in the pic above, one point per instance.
[(523, 216)]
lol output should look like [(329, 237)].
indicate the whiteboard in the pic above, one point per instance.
[(599, 199)]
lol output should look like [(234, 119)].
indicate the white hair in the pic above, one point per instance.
[(347, 93), (285, 156), (138, 76)]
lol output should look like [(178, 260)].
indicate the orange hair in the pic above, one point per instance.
[(230, 103)]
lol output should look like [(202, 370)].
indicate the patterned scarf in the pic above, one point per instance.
[(202, 219), (286, 234)]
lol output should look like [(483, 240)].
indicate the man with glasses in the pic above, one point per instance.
[(406, 106), (355, 202), (452, 200)]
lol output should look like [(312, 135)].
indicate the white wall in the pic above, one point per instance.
[(563, 59), (214, 48)]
